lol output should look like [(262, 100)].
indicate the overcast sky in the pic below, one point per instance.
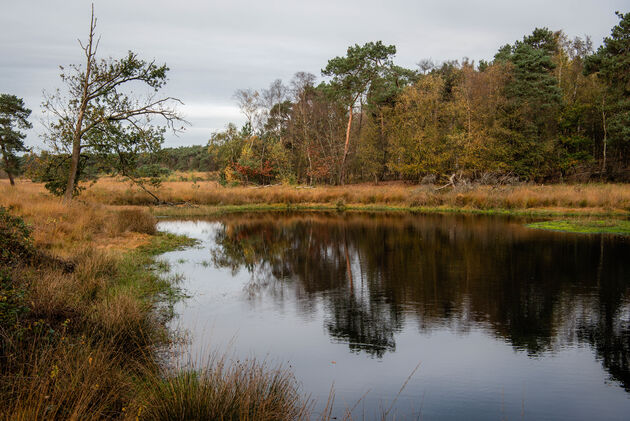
[(216, 47)]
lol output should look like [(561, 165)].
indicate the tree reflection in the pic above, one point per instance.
[(374, 273)]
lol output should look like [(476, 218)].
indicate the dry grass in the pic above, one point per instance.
[(134, 220), (85, 220), (222, 390), (66, 229), (613, 197), (66, 380)]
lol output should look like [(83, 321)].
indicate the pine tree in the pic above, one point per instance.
[(13, 117)]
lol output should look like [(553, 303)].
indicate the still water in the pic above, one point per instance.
[(505, 322)]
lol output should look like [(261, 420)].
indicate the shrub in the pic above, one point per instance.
[(15, 239)]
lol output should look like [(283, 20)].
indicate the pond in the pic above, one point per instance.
[(501, 321)]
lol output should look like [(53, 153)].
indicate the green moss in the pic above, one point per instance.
[(163, 242), (138, 272), (611, 226)]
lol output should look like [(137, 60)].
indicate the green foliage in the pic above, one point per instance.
[(16, 247), (585, 226), (611, 62), (12, 305), (573, 151), (535, 100), (352, 74), (184, 158), (13, 118), (15, 239), (53, 170), (153, 171)]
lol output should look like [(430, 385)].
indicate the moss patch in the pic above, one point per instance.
[(612, 226)]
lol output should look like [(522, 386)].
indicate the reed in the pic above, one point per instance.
[(614, 197)]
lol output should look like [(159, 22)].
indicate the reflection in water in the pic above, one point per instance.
[(537, 290)]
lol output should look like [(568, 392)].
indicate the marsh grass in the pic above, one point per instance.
[(577, 197), (222, 390), (65, 230), (135, 220), (65, 379), (82, 323)]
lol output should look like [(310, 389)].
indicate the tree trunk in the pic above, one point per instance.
[(78, 129), (7, 167), (604, 141), (384, 146), (310, 167), (346, 147), (74, 164)]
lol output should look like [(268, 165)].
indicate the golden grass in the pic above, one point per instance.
[(603, 197), (66, 381), (84, 219), (134, 220), (66, 229)]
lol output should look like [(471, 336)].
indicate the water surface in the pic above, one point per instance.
[(505, 321)]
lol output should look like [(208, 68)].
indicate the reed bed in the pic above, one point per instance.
[(483, 197)]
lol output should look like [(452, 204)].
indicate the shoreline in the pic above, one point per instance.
[(578, 221), (210, 210)]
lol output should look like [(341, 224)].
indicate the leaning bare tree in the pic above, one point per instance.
[(98, 114)]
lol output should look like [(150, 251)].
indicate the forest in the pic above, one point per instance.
[(547, 108)]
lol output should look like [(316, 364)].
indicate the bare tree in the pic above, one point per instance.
[(249, 102), (96, 113)]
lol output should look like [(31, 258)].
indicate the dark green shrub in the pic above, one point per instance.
[(15, 239)]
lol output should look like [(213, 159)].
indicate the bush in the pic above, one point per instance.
[(15, 239), (12, 306), (153, 171)]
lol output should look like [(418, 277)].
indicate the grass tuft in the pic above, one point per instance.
[(222, 390)]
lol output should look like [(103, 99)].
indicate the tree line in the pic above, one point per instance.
[(545, 108)]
